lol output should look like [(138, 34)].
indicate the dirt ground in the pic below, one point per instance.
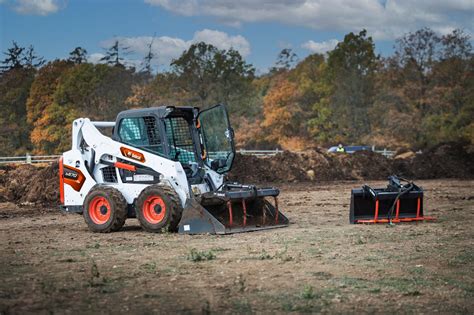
[(51, 263)]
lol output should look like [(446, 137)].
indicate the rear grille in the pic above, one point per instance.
[(109, 174)]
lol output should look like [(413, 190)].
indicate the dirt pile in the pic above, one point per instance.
[(39, 185), (30, 184), (448, 160), (310, 165)]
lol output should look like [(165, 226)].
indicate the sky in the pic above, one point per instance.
[(258, 29)]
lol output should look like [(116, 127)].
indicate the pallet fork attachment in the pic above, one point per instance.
[(394, 204)]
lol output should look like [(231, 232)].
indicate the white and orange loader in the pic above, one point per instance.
[(165, 166)]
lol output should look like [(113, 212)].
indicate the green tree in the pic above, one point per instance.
[(344, 91), (14, 90), (208, 75)]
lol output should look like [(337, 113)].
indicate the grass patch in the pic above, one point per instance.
[(308, 293), (464, 258), (308, 300), (196, 256), (406, 286), (465, 286), (353, 283), (149, 267), (95, 245), (242, 307), (264, 255), (283, 255)]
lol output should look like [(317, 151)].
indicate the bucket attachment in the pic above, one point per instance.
[(393, 204), (236, 208)]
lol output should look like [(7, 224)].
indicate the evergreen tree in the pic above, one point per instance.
[(78, 56), (14, 58), (113, 55)]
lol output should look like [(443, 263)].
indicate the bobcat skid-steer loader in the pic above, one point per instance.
[(165, 166)]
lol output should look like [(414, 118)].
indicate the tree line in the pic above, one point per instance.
[(421, 95)]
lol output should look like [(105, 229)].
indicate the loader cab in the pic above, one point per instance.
[(183, 134)]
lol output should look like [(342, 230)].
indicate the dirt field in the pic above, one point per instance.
[(51, 263)]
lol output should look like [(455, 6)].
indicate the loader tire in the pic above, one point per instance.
[(158, 209), (105, 209)]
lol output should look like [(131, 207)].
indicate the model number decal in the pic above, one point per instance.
[(73, 177), (70, 174)]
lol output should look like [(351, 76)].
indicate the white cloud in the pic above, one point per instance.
[(320, 47), (167, 48), (36, 7), (95, 58), (383, 19), (223, 41)]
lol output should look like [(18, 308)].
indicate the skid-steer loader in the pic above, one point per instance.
[(165, 166)]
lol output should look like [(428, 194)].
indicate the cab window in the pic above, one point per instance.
[(141, 132)]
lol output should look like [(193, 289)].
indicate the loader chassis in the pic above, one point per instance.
[(165, 166)]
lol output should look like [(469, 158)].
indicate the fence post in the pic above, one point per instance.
[(28, 158)]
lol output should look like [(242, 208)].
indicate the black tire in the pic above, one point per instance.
[(158, 209), (105, 209)]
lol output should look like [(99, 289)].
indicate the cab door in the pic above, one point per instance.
[(218, 138)]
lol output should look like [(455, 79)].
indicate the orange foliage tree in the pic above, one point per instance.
[(283, 114)]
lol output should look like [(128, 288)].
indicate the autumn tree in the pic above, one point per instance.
[(449, 111), (41, 96), (424, 91), (281, 111)]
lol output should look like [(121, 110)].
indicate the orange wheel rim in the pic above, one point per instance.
[(154, 209), (99, 210)]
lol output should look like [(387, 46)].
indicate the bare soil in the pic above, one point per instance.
[(51, 263)]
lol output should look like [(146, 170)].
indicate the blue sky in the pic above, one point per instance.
[(258, 29)]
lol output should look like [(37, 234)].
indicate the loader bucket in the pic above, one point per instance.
[(393, 204), (239, 209)]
